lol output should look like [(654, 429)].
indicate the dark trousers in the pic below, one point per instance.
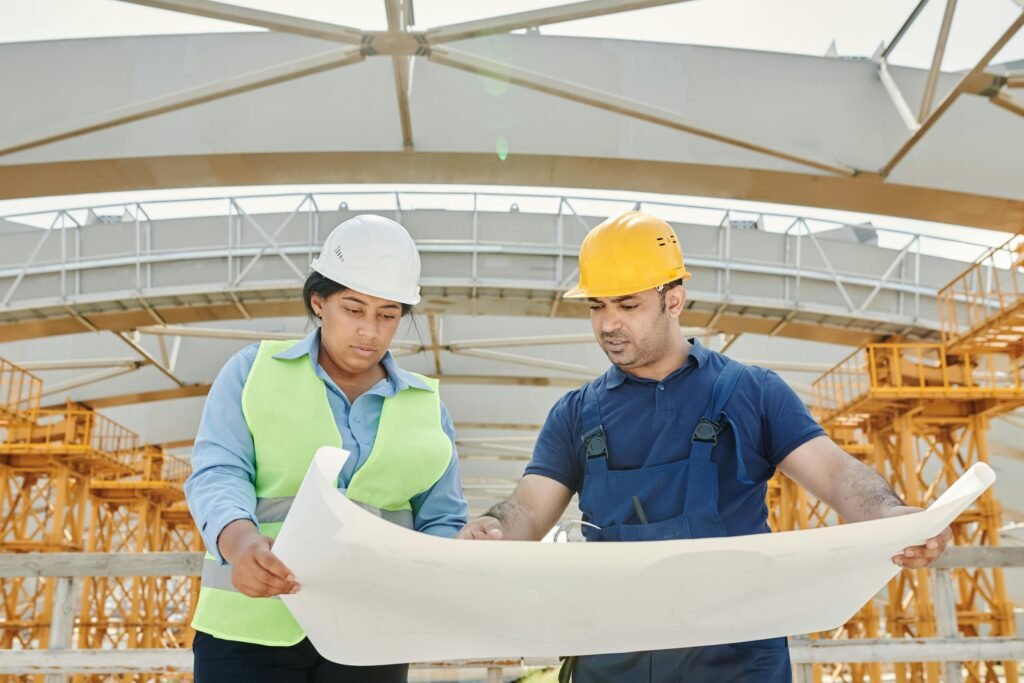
[(228, 661)]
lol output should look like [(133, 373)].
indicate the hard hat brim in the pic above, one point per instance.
[(363, 288), (578, 292)]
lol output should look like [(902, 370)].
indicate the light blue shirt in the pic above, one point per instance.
[(220, 488)]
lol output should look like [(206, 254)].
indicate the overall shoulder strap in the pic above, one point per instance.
[(595, 441), (705, 436), (724, 386)]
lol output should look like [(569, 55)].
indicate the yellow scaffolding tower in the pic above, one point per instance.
[(45, 467), (144, 512), (919, 413), (71, 471)]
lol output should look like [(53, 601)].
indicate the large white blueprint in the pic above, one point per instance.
[(375, 593)]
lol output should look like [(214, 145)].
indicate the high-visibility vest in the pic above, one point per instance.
[(285, 407)]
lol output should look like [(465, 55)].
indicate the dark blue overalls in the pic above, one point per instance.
[(654, 495)]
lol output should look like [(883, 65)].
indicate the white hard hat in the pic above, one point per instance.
[(373, 255)]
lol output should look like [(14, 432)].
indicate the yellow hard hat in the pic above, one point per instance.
[(629, 253)]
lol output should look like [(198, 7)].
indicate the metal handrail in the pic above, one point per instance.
[(20, 394), (987, 290), (75, 430), (896, 279), (912, 370), (508, 195), (65, 566)]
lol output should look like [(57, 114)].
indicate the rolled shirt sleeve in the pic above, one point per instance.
[(220, 489)]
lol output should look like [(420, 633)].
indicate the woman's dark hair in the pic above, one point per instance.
[(325, 287)]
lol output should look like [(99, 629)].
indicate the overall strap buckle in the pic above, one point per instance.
[(595, 443), (707, 431)]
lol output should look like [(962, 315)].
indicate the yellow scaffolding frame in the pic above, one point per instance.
[(919, 413)]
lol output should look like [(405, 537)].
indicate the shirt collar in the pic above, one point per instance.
[(402, 379), (614, 377), (699, 353), (310, 346)]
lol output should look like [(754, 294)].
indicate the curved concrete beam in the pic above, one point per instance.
[(861, 193)]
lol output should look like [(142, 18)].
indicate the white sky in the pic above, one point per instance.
[(800, 26)]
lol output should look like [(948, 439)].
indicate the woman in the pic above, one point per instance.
[(271, 407)]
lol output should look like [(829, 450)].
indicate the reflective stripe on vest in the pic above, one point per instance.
[(286, 409), (276, 509)]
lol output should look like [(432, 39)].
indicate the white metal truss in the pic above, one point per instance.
[(403, 45), (804, 263), (190, 97), (975, 81)]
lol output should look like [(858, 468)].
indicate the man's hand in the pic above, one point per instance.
[(919, 556), (482, 529), (255, 570), (529, 512)]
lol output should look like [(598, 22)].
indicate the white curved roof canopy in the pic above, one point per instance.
[(285, 107)]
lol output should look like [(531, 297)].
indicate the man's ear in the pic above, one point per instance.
[(675, 299)]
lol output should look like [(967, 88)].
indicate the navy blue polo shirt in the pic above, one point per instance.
[(650, 423)]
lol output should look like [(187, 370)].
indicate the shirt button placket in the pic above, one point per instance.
[(661, 406)]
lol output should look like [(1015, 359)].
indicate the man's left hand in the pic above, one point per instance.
[(919, 556)]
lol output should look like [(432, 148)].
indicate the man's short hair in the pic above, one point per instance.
[(665, 287)]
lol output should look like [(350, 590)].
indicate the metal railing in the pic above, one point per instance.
[(981, 309), (913, 370), (805, 258), (20, 394), (59, 660), (175, 469), (78, 434)]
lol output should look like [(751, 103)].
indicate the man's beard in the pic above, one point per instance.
[(630, 356)]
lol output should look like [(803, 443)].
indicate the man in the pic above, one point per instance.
[(676, 441)]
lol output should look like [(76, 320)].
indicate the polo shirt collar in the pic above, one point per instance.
[(614, 377), (699, 353)]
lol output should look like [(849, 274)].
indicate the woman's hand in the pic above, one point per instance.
[(255, 570)]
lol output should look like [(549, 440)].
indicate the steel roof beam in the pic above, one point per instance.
[(940, 50), (971, 77), (539, 17), (149, 357), (245, 335), (600, 99), (236, 14), (904, 28), (1008, 103), (398, 22), (189, 97)]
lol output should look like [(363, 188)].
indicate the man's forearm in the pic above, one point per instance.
[(862, 494), (516, 523)]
